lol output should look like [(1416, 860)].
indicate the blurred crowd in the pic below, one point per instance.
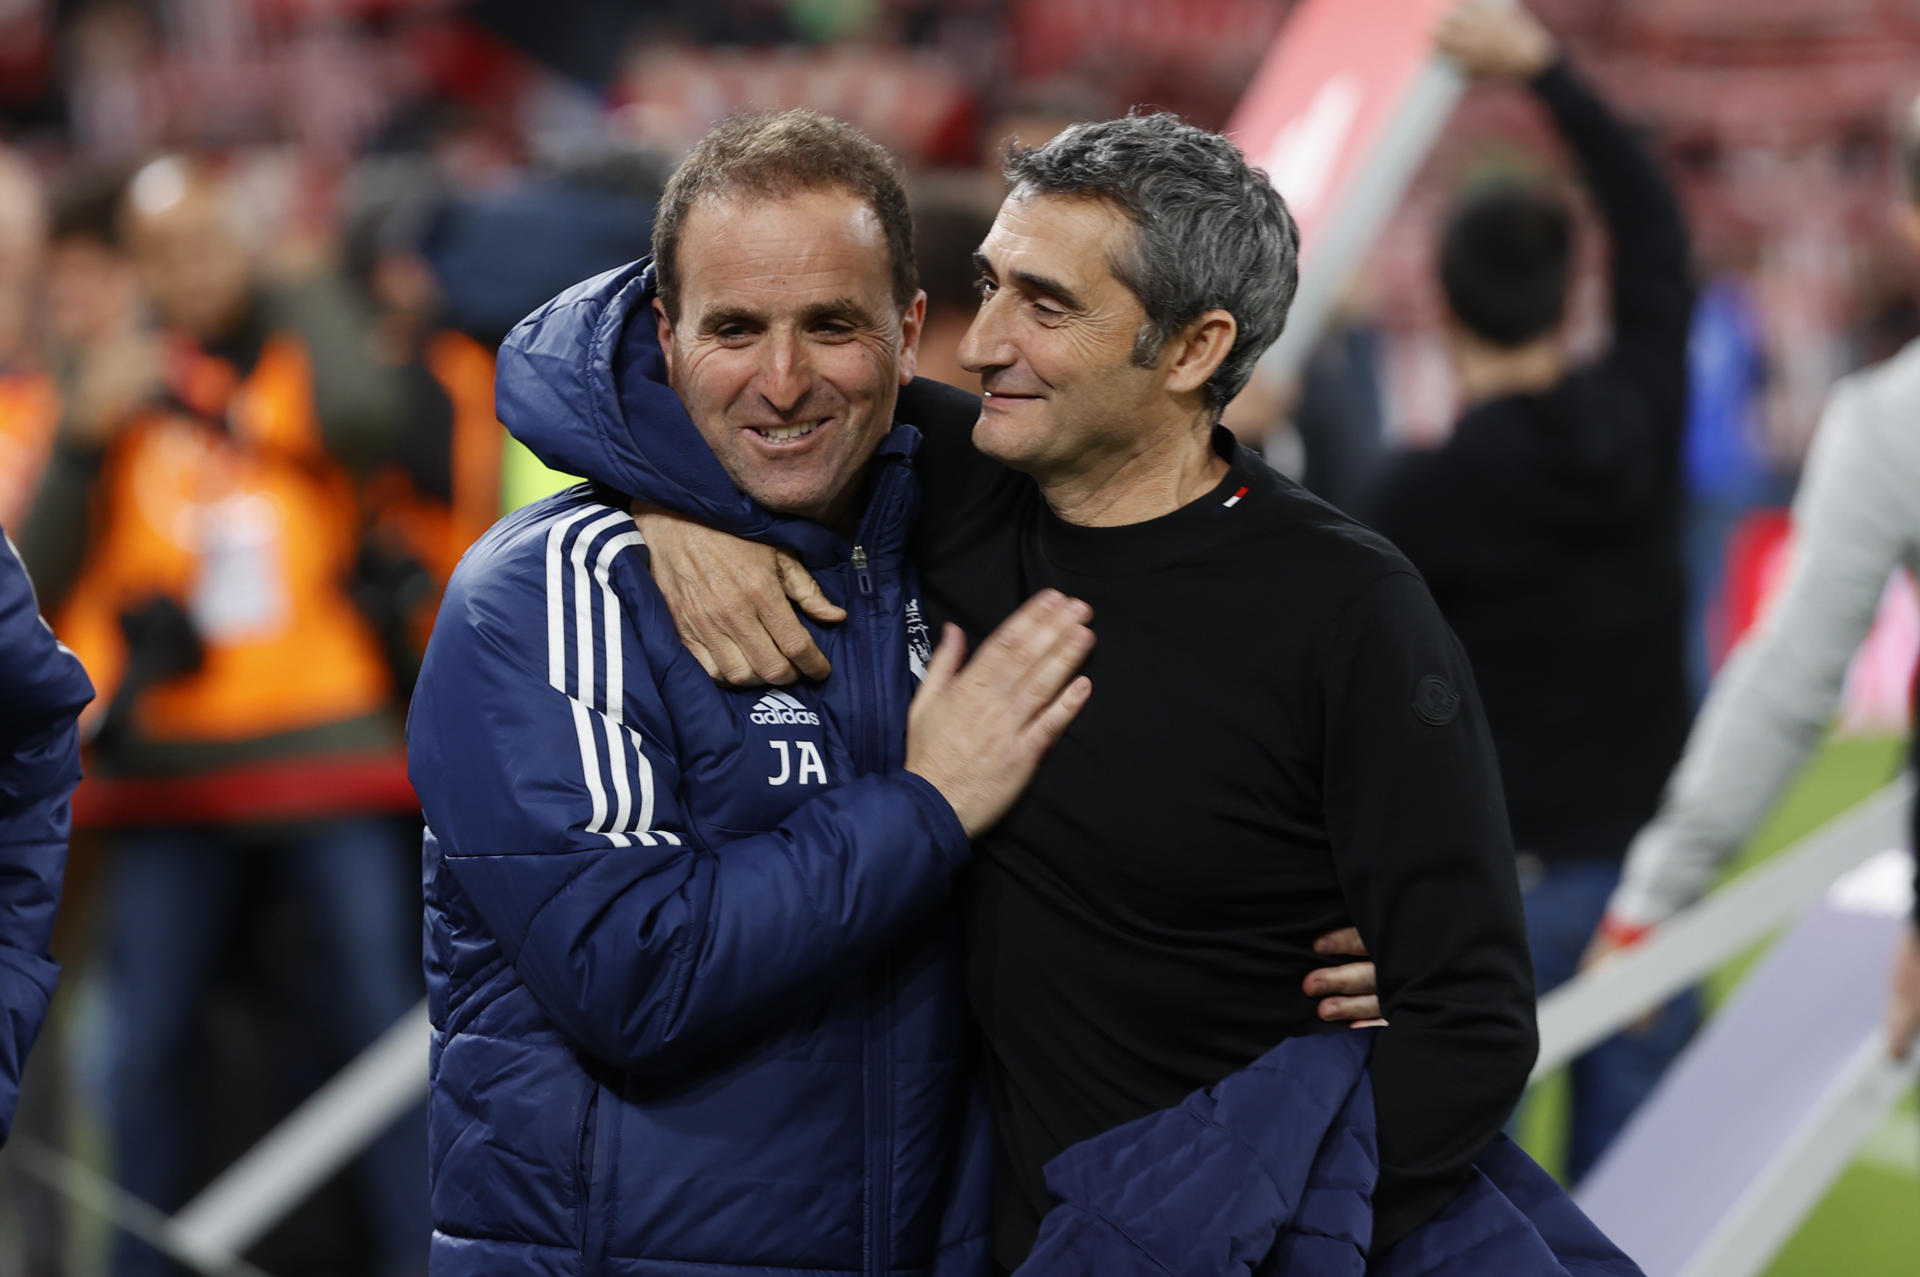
[(255, 256)]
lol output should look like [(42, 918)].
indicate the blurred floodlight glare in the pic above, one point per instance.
[(158, 186)]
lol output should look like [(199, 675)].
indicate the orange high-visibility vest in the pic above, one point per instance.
[(433, 531), (438, 532), (29, 417), (253, 529)]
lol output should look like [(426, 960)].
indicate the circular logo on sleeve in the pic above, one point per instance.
[(1435, 701)]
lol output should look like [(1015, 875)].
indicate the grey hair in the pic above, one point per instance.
[(1212, 233)]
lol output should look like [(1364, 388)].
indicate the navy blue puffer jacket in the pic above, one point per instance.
[(1272, 1171), (42, 691), (695, 1001)]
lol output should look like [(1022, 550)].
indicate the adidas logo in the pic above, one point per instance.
[(776, 708)]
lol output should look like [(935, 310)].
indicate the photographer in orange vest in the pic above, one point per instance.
[(195, 535)]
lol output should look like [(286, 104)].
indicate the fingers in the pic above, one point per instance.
[(1362, 1008), (795, 645), (759, 642), (1023, 637), (729, 601), (1349, 991), (770, 664), (1042, 682), (947, 659), (702, 655), (1350, 979), (1050, 724), (806, 593), (1032, 655), (731, 665), (1345, 942)]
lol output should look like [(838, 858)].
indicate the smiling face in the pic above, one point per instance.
[(789, 349), (1054, 340)]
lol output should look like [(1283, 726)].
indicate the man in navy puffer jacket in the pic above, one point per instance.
[(42, 691), (695, 1001)]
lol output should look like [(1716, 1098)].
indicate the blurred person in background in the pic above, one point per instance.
[(28, 405), (1728, 473), (498, 249), (1548, 526), (1323, 428), (97, 350), (1856, 520), (440, 488), (1339, 416), (91, 297), (193, 535), (947, 226)]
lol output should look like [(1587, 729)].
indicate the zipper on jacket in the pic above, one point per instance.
[(860, 573), (879, 1079)]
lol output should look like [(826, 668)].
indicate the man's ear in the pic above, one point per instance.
[(663, 327), (1197, 352), (913, 322)]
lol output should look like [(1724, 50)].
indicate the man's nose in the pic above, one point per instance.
[(784, 373), (985, 343)]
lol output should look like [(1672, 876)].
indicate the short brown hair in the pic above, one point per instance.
[(779, 153)]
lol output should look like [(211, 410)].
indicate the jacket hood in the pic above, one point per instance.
[(582, 382)]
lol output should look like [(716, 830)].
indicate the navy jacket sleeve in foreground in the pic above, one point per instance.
[(557, 802), (1271, 1170), (42, 690)]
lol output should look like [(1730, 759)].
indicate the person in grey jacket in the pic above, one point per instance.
[(1856, 519)]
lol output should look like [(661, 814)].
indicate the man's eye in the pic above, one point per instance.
[(985, 287), (834, 331), (1049, 311), (732, 333)]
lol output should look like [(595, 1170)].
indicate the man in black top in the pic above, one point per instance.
[(1285, 736), (1547, 528)]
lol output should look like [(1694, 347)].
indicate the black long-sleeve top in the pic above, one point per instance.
[(1548, 529), (1283, 738)]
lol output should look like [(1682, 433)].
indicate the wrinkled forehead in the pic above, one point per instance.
[(778, 253), (1082, 238)]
